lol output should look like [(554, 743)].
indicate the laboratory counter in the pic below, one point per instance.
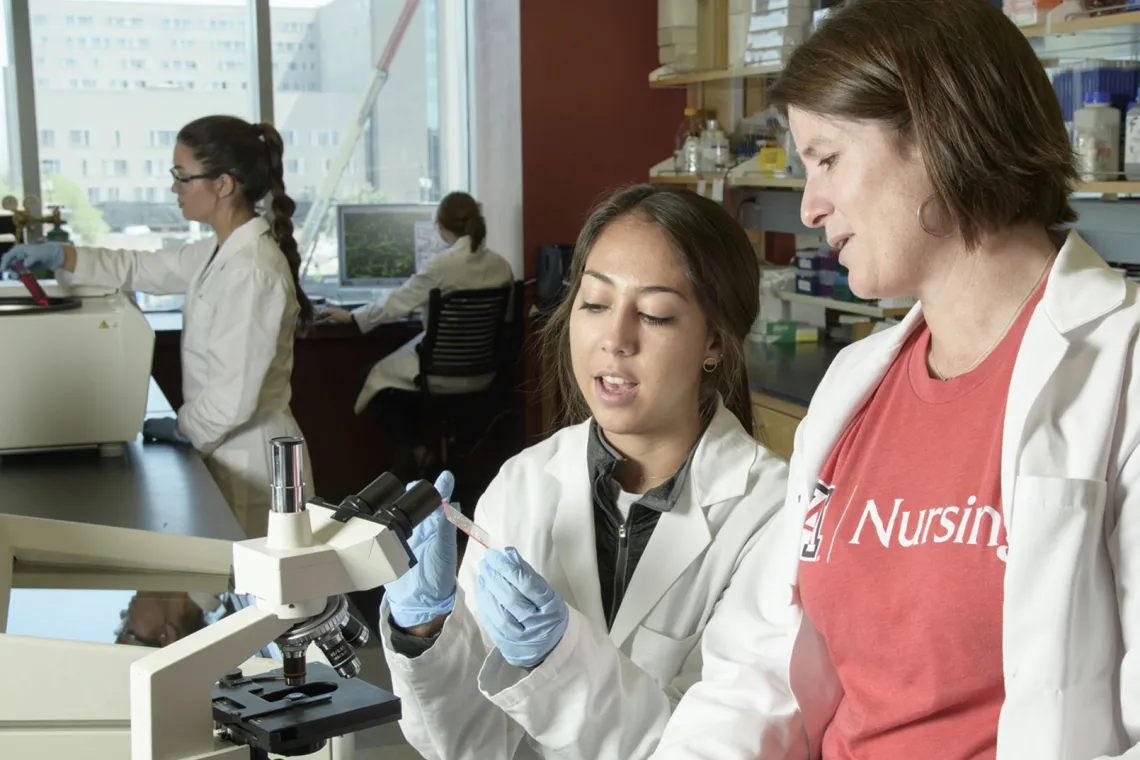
[(153, 486), (783, 378)]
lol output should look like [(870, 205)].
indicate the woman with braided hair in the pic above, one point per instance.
[(243, 303)]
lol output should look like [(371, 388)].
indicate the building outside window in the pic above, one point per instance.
[(114, 84)]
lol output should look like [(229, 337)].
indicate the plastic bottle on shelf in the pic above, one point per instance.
[(686, 156), (1096, 134), (715, 148), (1132, 141)]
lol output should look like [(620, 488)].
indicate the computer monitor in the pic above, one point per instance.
[(383, 244)]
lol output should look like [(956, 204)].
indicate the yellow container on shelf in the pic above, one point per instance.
[(771, 159)]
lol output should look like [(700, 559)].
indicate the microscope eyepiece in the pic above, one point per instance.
[(380, 492), (412, 508), (288, 474)]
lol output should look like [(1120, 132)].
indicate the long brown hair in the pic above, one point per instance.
[(719, 263), (459, 214), (957, 80), (252, 155)]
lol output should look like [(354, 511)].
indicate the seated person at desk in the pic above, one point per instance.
[(467, 265), (243, 303)]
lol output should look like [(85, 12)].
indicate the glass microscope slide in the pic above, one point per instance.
[(468, 526)]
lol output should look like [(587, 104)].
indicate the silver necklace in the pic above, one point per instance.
[(1004, 332)]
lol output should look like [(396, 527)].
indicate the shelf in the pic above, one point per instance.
[(686, 179), (715, 75), (774, 183), (1108, 188), (787, 183), (1089, 24), (861, 309)]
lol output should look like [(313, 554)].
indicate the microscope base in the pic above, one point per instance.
[(262, 712)]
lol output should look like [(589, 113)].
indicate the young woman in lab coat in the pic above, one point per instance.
[(243, 303), (624, 531), (466, 265), (962, 528)]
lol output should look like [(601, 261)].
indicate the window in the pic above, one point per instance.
[(115, 176), (415, 147), (50, 166), (163, 138), (152, 77), (115, 168)]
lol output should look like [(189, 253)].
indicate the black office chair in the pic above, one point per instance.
[(467, 336)]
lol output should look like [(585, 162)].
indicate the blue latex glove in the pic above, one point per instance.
[(427, 591), (24, 256), (522, 614), (163, 429)]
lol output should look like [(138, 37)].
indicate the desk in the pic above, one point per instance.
[(347, 451), (153, 486)]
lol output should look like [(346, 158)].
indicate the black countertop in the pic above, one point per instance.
[(153, 486), (790, 372)]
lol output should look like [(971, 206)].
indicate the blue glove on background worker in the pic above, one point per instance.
[(427, 591), (522, 614), (163, 429), (47, 254)]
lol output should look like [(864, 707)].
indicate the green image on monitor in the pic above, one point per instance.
[(384, 244)]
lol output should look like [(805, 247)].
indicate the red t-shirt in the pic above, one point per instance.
[(903, 560)]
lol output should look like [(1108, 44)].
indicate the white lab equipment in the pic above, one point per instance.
[(202, 696), (1096, 135), (76, 371), (1132, 141)]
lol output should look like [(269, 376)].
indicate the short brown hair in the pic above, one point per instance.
[(459, 214), (960, 81), (719, 263)]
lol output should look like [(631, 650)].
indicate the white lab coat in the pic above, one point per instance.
[(238, 325), (1071, 504), (457, 268), (598, 694)]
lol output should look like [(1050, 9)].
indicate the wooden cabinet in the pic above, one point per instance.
[(776, 423)]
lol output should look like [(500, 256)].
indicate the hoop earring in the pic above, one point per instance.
[(922, 222), (710, 364)]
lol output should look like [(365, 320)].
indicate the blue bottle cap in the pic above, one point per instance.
[(1096, 98)]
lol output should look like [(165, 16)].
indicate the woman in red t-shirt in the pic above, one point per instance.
[(964, 504)]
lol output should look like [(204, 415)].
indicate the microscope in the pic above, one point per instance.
[(190, 699)]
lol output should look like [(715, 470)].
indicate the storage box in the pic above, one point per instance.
[(764, 6), (737, 38), (677, 35), (807, 283), (769, 56), (773, 38), (807, 261), (680, 57), (792, 16), (676, 13)]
